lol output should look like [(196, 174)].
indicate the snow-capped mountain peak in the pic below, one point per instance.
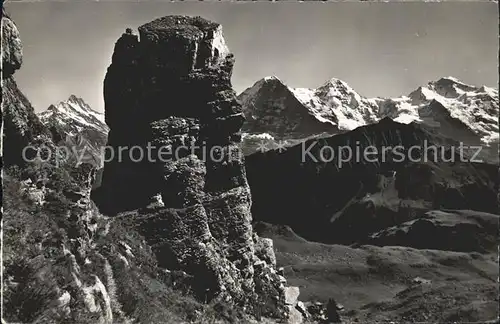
[(75, 121), (336, 87), (271, 105), (492, 92), (76, 107), (476, 108), (450, 87), (247, 96), (74, 112), (267, 85)]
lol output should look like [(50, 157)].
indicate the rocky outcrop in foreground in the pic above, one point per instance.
[(171, 87), (12, 48), (48, 217)]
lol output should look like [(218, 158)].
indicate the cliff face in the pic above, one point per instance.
[(47, 216), (172, 89), (21, 126)]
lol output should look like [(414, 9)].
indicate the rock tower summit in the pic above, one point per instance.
[(184, 43), (171, 86)]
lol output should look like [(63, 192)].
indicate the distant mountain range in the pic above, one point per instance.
[(454, 109), (276, 112)]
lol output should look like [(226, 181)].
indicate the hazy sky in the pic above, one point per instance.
[(380, 49)]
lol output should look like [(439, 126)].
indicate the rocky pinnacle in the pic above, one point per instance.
[(171, 86)]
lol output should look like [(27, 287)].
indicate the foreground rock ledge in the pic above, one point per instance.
[(172, 87)]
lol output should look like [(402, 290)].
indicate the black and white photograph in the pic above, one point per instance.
[(170, 162)]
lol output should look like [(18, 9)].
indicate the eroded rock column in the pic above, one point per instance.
[(171, 88)]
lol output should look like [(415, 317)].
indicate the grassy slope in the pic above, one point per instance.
[(376, 283)]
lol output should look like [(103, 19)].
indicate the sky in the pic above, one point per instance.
[(380, 49)]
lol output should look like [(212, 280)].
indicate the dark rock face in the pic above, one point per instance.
[(66, 263), (21, 125), (12, 49), (330, 201), (172, 89), (153, 93)]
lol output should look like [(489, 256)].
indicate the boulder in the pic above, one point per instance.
[(291, 295)]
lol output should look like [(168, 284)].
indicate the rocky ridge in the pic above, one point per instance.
[(349, 198), (452, 230)]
